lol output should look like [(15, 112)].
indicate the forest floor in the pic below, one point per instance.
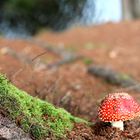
[(54, 67)]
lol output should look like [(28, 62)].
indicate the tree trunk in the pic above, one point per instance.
[(136, 8), (127, 9)]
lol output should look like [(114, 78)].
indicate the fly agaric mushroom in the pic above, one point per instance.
[(118, 107)]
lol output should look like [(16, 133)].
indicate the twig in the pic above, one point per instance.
[(43, 53)]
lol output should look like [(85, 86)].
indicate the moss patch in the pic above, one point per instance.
[(124, 76), (35, 116), (87, 61), (91, 46)]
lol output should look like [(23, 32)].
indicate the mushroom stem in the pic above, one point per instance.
[(118, 124)]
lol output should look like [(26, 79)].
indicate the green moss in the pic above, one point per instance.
[(87, 61), (124, 76), (35, 116), (91, 46)]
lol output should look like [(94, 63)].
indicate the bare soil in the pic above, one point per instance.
[(70, 85)]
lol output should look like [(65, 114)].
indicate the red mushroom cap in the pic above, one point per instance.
[(118, 107)]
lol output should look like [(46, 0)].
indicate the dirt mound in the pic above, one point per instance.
[(103, 131)]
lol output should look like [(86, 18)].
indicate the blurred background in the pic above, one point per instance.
[(29, 16)]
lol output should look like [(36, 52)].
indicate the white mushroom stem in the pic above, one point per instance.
[(118, 124)]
